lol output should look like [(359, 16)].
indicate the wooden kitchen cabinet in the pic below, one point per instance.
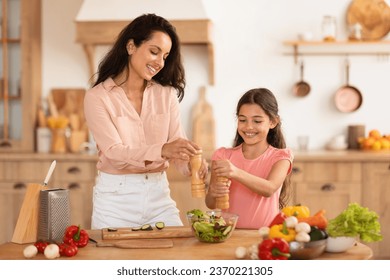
[(20, 73), (376, 196), (74, 172), (330, 180), (326, 185)]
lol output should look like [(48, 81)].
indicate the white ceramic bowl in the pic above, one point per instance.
[(339, 244)]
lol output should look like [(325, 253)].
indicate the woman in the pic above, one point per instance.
[(132, 111), (258, 164)]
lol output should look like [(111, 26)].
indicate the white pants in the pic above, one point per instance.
[(133, 200)]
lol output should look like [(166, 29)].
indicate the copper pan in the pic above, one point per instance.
[(348, 98), (301, 88)]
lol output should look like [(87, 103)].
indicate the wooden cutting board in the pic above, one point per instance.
[(136, 243), (372, 15), (128, 233)]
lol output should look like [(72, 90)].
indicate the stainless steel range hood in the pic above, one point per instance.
[(99, 22)]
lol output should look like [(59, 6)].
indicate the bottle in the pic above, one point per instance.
[(329, 28), (198, 187), (222, 202)]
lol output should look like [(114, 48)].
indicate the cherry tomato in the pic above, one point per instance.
[(41, 245), (67, 250)]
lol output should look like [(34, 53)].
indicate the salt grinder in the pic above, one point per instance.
[(222, 202), (198, 188)]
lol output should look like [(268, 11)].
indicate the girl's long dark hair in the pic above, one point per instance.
[(267, 101), (141, 30)]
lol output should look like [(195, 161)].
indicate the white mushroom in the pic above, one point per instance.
[(264, 232), (291, 221), (302, 237), (30, 251), (302, 226), (52, 251), (241, 252)]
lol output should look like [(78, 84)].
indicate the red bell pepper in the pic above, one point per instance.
[(274, 249), (77, 236), (68, 250), (278, 219)]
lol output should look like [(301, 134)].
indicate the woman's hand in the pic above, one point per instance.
[(203, 170), (182, 149)]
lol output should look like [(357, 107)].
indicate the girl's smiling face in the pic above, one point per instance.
[(253, 124)]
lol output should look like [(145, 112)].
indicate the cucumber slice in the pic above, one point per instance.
[(160, 225), (227, 230), (146, 227), (136, 228)]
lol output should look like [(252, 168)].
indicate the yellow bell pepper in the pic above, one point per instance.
[(299, 211), (282, 231)]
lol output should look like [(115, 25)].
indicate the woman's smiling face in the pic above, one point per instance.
[(253, 124), (149, 58)]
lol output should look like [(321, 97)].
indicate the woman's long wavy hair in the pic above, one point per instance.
[(267, 101), (141, 30)]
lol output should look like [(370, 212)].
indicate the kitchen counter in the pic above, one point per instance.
[(342, 155), (183, 249)]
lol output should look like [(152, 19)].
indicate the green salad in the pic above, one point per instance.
[(210, 226), (356, 220)]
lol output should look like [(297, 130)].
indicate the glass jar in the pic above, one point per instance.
[(329, 28)]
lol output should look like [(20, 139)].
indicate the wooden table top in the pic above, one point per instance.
[(185, 248)]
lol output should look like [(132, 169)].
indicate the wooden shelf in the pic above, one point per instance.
[(344, 48), (191, 32)]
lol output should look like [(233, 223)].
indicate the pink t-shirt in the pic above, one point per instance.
[(125, 139), (253, 209)]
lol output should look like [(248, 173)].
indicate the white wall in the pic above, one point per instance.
[(249, 52)]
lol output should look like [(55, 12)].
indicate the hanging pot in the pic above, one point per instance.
[(348, 98), (301, 88)]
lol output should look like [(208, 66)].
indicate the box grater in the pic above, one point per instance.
[(54, 214)]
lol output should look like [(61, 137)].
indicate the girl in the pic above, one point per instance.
[(257, 166)]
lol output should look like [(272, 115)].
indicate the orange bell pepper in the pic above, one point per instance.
[(317, 219)]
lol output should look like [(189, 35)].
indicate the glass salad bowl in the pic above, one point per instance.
[(212, 226)]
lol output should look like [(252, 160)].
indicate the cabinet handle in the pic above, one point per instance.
[(74, 170), (296, 170), (73, 186), (19, 186), (328, 187)]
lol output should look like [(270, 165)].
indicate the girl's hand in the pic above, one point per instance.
[(181, 148), (224, 168), (218, 189)]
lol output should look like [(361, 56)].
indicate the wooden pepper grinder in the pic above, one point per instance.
[(222, 202), (198, 188)]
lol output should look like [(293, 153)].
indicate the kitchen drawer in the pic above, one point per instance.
[(333, 197), (327, 172), (11, 199), (75, 171), (24, 171)]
